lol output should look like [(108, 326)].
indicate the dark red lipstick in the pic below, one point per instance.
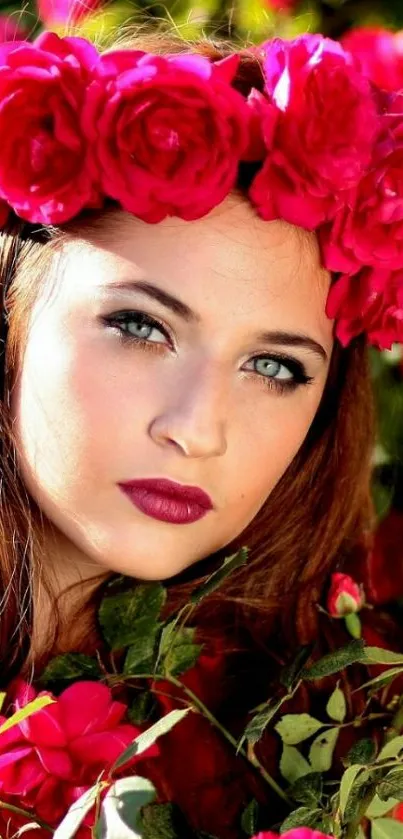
[(166, 500)]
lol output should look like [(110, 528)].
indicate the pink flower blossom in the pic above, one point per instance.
[(50, 759), (371, 302), (59, 12), (325, 134), (379, 53), (168, 132), (344, 596), (295, 833), (44, 164)]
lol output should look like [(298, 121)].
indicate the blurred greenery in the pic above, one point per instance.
[(249, 20)]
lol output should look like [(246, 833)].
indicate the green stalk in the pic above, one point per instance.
[(253, 761), (19, 812)]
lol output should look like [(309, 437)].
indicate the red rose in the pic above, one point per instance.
[(168, 132), (369, 230), (344, 596), (45, 173), (371, 302), (323, 142), (379, 53), (51, 758)]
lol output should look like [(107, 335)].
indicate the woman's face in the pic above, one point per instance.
[(179, 351)]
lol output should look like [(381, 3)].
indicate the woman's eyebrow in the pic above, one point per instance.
[(184, 311)]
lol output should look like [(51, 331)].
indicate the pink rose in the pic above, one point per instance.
[(345, 596), (325, 134), (369, 230), (168, 132), (58, 12), (44, 163), (379, 53), (295, 833), (371, 302), (54, 756)]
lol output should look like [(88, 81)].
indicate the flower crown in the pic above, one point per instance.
[(166, 135)]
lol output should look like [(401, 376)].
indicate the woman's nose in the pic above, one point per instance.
[(194, 419)]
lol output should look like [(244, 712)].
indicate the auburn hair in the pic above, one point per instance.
[(317, 519)]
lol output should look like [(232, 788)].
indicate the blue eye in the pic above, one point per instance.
[(280, 373), (137, 327), (273, 368), (277, 373)]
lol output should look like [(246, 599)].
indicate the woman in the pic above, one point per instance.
[(168, 320)]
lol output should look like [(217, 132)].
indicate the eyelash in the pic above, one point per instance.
[(119, 320)]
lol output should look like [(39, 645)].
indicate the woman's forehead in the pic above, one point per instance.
[(229, 262)]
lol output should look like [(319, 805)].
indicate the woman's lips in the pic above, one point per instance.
[(167, 501)]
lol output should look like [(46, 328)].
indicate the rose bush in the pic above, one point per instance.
[(168, 132), (45, 174), (317, 151)]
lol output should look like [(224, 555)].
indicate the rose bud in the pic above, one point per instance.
[(345, 596)]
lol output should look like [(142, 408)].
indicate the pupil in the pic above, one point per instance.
[(270, 366)]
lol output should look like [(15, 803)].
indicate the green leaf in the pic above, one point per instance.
[(77, 812), (363, 752), (321, 751), (293, 765), (392, 748), (383, 679), (70, 667), (26, 711), (121, 808), (307, 790), (353, 625), (377, 655), (257, 725), (294, 728), (392, 785), (157, 821), (302, 817), (336, 707), (335, 661), (291, 673), (230, 564), (346, 784), (361, 795), (148, 738), (142, 655), (177, 652), (379, 808), (250, 817), (386, 829), (128, 616)]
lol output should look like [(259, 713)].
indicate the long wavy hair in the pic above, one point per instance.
[(316, 520)]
